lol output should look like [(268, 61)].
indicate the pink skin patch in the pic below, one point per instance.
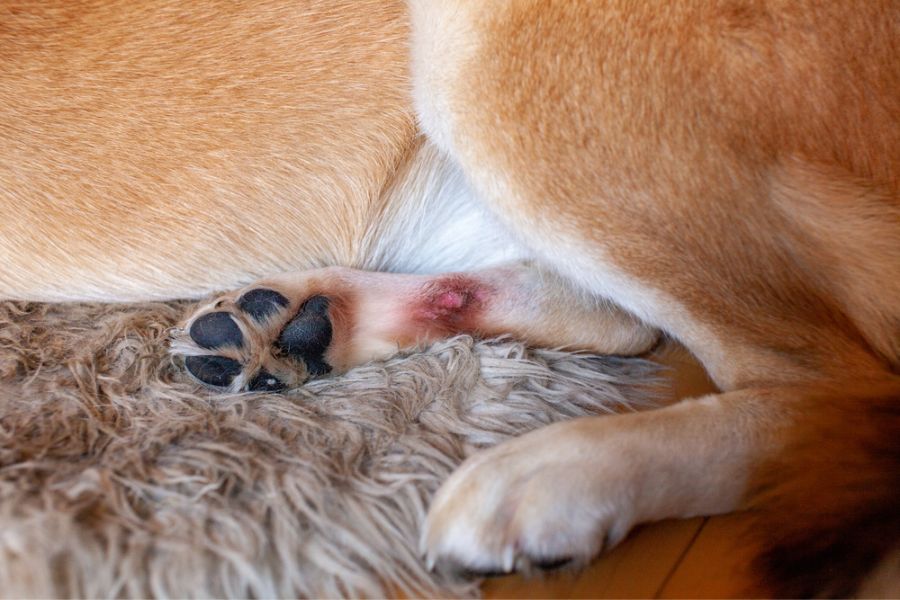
[(450, 304)]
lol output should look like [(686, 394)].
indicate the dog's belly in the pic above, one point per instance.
[(166, 149)]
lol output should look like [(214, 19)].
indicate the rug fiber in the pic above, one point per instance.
[(120, 477)]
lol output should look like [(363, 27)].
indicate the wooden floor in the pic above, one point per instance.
[(694, 558)]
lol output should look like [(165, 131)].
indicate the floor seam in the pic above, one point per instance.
[(680, 559)]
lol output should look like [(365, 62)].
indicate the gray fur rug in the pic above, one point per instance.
[(119, 477)]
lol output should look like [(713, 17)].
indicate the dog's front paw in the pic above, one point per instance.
[(550, 498)]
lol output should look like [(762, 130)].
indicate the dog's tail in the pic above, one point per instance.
[(829, 507)]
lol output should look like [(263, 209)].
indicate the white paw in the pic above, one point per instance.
[(552, 497)]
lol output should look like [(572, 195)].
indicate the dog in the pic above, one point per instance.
[(370, 175)]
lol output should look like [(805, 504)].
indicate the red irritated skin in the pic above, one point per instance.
[(451, 304)]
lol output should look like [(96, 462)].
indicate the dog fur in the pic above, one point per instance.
[(725, 172)]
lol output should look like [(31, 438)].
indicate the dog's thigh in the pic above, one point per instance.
[(564, 492), (681, 212)]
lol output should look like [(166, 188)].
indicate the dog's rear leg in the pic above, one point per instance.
[(280, 331)]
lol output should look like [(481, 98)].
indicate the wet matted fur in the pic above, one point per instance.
[(119, 477)]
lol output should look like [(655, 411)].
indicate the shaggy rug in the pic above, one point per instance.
[(120, 477)]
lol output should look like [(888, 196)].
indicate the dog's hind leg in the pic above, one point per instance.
[(680, 159), (280, 331)]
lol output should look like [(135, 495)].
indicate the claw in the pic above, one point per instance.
[(509, 559)]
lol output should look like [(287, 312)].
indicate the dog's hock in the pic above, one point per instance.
[(309, 323)]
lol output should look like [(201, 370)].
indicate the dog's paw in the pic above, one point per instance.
[(258, 339), (548, 499)]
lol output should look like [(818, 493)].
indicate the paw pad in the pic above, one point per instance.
[(262, 303), (215, 330), (552, 564), (262, 342), (308, 335), (217, 371)]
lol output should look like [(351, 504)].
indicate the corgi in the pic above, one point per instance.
[(368, 175)]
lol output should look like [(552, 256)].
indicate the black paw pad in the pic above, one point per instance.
[(265, 382), (316, 367), (476, 573), (219, 371), (261, 303), (216, 329), (551, 564), (308, 335)]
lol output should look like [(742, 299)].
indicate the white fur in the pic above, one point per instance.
[(438, 224)]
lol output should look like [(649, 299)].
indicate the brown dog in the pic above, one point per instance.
[(725, 172)]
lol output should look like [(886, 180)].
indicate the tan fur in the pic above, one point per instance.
[(156, 150), (665, 164), (726, 171), (818, 545)]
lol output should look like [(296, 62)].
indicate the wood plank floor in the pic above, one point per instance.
[(693, 558)]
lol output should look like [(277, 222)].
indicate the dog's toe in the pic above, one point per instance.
[(217, 371), (475, 573), (215, 330), (524, 563), (262, 303), (308, 336)]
